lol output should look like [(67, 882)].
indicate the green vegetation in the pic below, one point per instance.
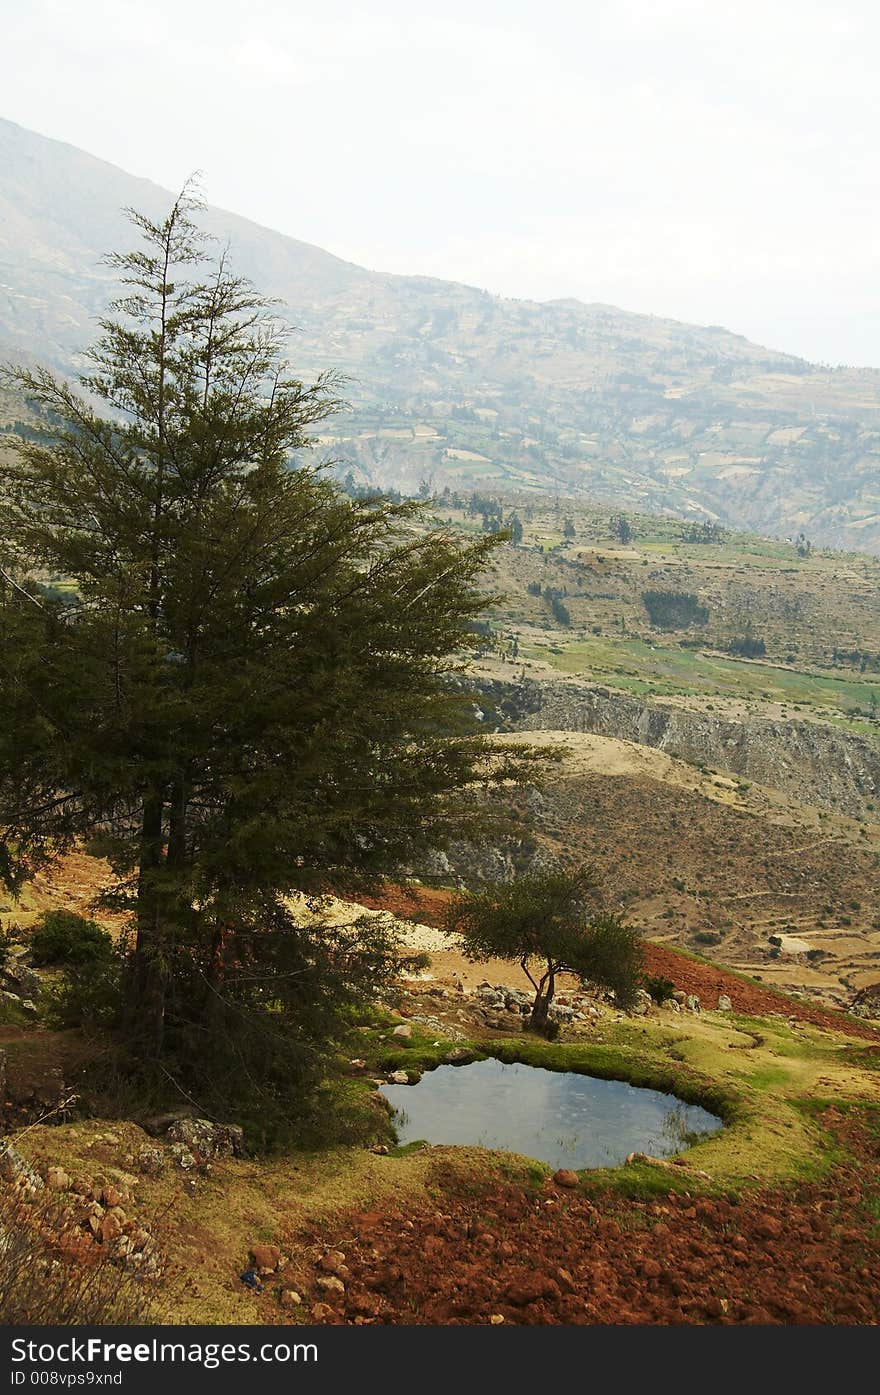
[(674, 610), (63, 938), (258, 693), (658, 988), (642, 667), (549, 917)]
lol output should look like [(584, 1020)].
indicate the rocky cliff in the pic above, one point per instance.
[(810, 763)]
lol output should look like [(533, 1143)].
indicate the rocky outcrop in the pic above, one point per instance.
[(866, 1002), (810, 763)]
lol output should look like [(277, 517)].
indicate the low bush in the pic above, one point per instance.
[(89, 994), (658, 988), (64, 938)]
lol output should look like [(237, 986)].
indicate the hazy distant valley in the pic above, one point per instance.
[(449, 384)]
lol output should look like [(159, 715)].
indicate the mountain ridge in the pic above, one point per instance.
[(453, 385)]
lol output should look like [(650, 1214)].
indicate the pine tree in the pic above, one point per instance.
[(254, 690)]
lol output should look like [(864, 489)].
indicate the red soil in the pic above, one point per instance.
[(808, 1254)]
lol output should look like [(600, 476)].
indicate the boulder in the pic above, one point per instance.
[(329, 1283), (207, 1140), (724, 1003), (692, 1003), (58, 1179), (403, 1032), (516, 998)]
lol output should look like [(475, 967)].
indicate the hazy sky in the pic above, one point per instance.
[(717, 162)]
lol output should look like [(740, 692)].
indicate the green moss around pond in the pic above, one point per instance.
[(758, 1074)]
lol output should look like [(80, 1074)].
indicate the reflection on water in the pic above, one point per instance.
[(563, 1119)]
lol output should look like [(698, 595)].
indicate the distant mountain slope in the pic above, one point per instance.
[(457, 386)]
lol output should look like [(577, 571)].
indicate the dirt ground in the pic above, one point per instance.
[(507, 1254)]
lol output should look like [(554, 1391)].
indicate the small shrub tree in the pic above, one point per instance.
[(546, 919)]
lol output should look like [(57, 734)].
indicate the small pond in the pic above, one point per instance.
[(558, 1117)]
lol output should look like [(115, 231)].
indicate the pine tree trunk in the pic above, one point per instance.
[(147, 984)]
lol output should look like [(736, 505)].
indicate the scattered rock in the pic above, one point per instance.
[(182, 1156), (328, 1283), (28, 982), (692, 1003), (58, 1179), (266, 1258), (565, 1177), (150, 1161), (320, 1311), (290, 1298), (403, 1032), (724, 1003), (333, 1262), (110, 1226), (398, 1077)]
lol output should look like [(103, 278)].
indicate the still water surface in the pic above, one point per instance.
[(561, 1118)]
